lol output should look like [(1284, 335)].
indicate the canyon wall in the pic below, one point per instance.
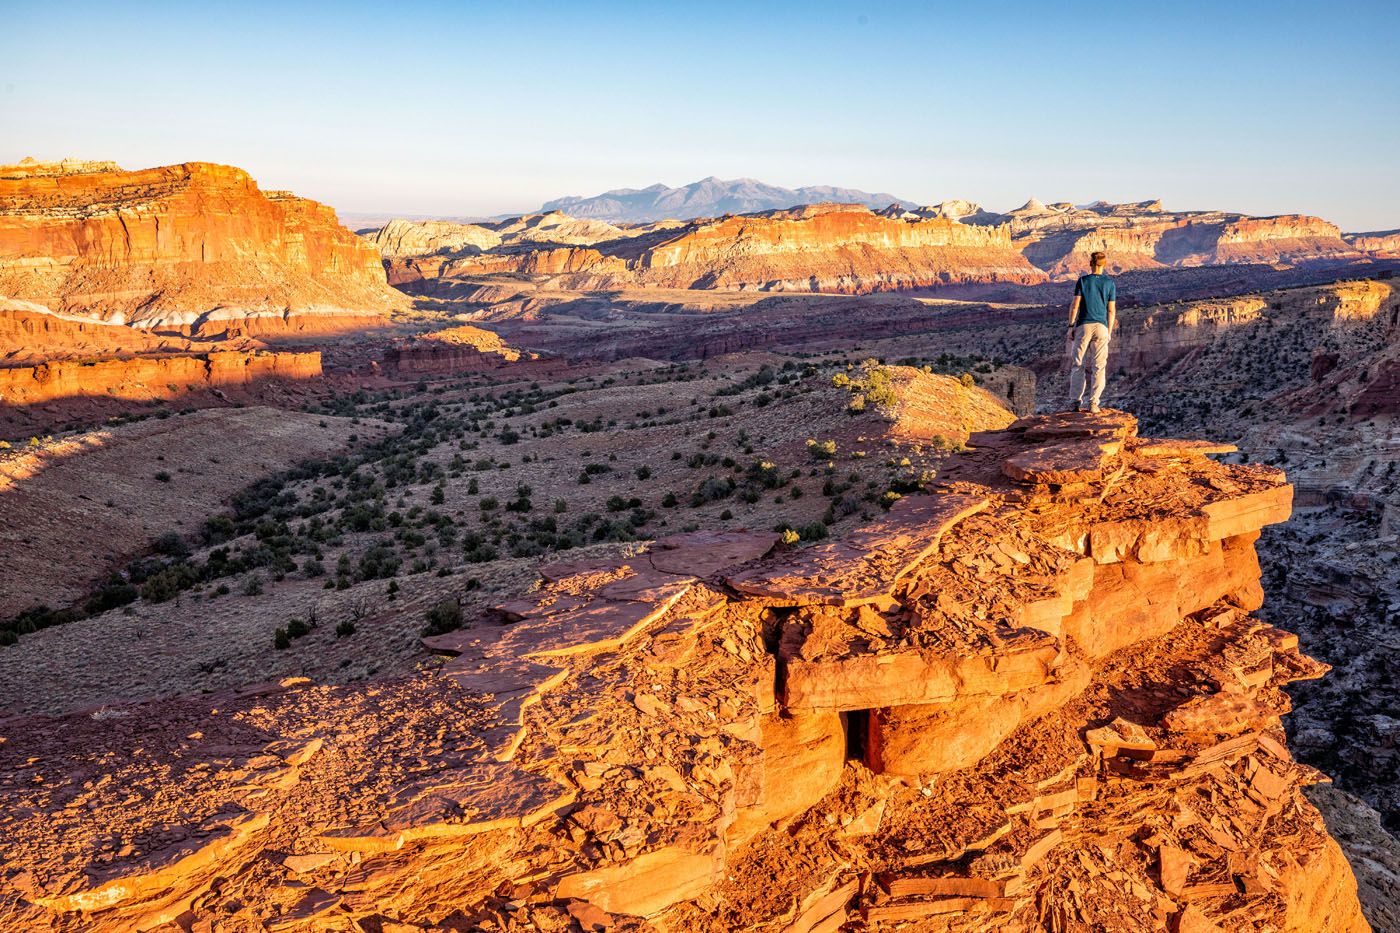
[(843, 249), (187, 248), (29, 333), (149, 378), (1378, 243), (1034, 697), (835, 249), (1311, 332), (849, 249), (1060, 237)]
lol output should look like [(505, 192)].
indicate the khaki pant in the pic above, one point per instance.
[(1088, 359)]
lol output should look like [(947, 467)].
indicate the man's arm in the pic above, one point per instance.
[(1074, 311), (1112, 315)]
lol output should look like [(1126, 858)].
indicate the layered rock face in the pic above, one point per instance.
[(1330, 348), (29, 333), (454, 350), (1060, 237), (1032, 698), (851, 249), (846, 249), (1379, 243), (148, 378), (836, 249), (193, 248)]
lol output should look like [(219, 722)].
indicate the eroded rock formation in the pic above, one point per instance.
[(1059, 237), (839, 248), (150, 377), (1032, 698), (454, 350), (1378, 243), (851, 249), (192, 248), (30, 334)]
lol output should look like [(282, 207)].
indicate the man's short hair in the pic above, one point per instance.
[(1098, 257)]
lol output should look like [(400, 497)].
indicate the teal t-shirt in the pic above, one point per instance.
[(1095, 292)]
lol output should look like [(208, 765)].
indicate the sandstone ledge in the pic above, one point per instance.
[(982, 716)]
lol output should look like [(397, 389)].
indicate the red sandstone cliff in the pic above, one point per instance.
[(28, 333), (189, 248), (1059, 237), (1384, 243), (844, 249), (149, 377), (850, 249)]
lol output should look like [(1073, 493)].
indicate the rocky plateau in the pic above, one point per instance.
[(1034, 696)]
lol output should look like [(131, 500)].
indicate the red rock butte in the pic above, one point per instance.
[(195, 248), (1033, 698)]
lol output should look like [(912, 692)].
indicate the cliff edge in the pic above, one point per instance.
[(1033, 697)]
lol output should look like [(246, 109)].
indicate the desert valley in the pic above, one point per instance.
[(690, 559)]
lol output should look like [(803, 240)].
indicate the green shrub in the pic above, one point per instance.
[(169, 582), (445, 616), (111, 596)]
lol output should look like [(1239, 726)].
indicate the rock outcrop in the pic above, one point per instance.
[(1059, 237), (840, 248), (30, 334), (1380, 243), (1033, 697), (851, 249), (194, 248), (146, 378), (454, 350)]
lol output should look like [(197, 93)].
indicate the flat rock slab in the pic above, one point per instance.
[(601, 625), (868, 563), (466, 802), (647, 883), (1067, 424), (914, 677), (1250, 512), (707, 553), (1156, 448), (1074, 461), (165, 869)]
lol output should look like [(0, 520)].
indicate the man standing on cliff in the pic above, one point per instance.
[(1091, 319)]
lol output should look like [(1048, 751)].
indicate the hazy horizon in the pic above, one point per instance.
[(486, 109)]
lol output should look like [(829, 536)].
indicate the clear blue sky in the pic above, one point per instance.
[(463, 108)]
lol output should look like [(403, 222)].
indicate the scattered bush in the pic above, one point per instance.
[(445, 616)]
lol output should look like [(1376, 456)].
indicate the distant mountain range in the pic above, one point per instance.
[(709, 197)]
